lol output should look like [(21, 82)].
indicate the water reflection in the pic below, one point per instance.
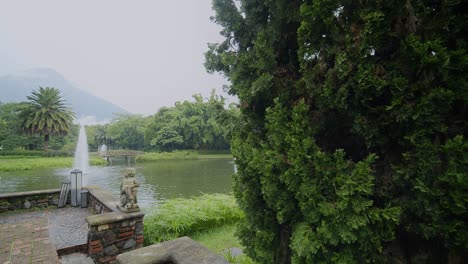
[(159, 180)]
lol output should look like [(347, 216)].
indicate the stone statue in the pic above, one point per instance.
[(128, 192)]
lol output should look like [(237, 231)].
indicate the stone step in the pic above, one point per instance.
[(76, 258)]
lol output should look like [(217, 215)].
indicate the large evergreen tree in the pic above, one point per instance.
[(46, 114), (352, 143)]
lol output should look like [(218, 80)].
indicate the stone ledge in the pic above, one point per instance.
[(103, 196), (107, 218), (30, 193), (178, 251)]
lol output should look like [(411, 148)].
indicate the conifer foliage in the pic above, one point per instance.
[(351, 147)]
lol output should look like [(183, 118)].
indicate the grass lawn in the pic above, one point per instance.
[(19, 163), (221, 238)]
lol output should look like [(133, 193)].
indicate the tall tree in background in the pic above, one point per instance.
[(46, 114), (126, 131), (351, 145), (190, 125)]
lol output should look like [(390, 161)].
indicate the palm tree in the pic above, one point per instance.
[(46, 114)]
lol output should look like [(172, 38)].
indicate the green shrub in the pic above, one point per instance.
[(22, 152), (183, 217), (36, 153), (175, 155), (58, 153)]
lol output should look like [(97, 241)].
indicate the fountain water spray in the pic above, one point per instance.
[(81, 161)]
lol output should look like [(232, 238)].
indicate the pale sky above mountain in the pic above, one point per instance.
[(140, 55)]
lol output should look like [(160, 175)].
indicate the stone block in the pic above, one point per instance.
[(103, 227), (94, 235), (126, 229), (125, 234), (107, 259), (140, 241), (129, 243), (26, 205), (128, 223), (96, 250), (119, 244), (111, 250), (181, 251), (139, 228), (108, 238), (94, 243)]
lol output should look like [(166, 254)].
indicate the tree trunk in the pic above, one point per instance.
[(46, 142)]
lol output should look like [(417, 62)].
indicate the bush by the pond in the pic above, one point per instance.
[(19, 163), (184, 155), (185, 217), (22, 152), (179, 154), (35, 153)]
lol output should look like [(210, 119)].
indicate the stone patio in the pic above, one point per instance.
[(35, 237)]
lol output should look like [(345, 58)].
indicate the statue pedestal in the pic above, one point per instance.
[(128, 210)]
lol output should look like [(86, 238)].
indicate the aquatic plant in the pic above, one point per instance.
[(185, 217)]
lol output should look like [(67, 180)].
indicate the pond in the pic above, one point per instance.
[(160, 180)]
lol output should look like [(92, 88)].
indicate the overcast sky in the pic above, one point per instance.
[(140, 55)]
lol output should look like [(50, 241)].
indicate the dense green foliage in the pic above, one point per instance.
[(10, 129), (199, 125), (351, 145), (32, 153), (46, 114), (127, 131), (188, 125), (182, 217), (14, 142)]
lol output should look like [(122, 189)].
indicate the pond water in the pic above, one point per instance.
[(159, 180)]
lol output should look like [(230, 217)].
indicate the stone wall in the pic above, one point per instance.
[(29, 200), (100, 201), (111, 232)]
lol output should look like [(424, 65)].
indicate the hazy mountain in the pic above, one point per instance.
[(15, 88)]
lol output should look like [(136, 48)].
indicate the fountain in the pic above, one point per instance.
[(81, 161)]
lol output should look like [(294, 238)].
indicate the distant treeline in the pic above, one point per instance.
[(203, 124)]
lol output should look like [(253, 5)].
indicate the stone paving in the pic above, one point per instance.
[(35, 237), (24, 238), (68, 227)]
